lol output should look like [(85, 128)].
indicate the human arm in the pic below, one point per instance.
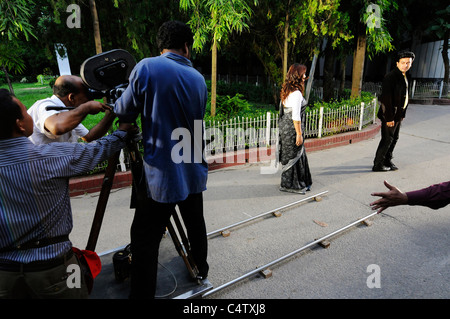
[(296, 98), (387, 99), (434, 196), (393, 197), (63, 122), (101, 128), (298, 130)]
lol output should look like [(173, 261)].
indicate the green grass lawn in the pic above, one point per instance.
[(29, 93)]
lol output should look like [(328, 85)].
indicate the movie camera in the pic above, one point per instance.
[(105, 75)]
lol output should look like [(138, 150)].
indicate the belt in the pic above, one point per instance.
[(39, 265), (37, 243)]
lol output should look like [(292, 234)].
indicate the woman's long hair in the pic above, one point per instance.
[(294, 80)]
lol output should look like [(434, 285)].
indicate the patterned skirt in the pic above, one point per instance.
[(295, 174)]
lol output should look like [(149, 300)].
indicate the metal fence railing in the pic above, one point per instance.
[(417, 89), (239, 133), (430, 90)]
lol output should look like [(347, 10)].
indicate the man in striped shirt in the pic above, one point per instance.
[(35, 211)]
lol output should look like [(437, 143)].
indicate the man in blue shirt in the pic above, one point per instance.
[(170, 95), (35, 211)]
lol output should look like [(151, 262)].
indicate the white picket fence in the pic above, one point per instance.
[(238, 133)]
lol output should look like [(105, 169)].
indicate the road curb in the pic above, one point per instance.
[(93, 183)]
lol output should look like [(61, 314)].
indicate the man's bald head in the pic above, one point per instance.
[(71, 90), (66, 84)]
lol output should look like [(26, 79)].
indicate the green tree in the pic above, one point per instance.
[(136, 23), (372, 36), (215, 20), (300, 28), (329, 25), (14, 24)]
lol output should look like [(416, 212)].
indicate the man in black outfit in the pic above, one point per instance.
[(394, 102)]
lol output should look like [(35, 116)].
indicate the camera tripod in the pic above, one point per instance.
[(175, 226)]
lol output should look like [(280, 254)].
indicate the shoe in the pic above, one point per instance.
[(380, 168), (392, 166), (292, 190)]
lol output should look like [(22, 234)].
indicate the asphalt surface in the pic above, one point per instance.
[(404, 254)]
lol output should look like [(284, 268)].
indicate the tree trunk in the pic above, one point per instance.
[(8, 80), (446, 61), (97, 38), (358, 65), (213, 77), (311, 76), (342, 64), (285, 49), (328, 73)]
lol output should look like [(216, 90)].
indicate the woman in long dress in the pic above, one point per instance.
[(295, 176)]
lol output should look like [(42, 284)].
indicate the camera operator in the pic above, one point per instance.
[(170, 95), (65, 126), (35, 211)]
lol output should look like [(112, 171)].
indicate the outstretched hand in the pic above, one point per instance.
[(393, 197)]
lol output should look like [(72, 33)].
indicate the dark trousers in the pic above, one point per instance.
[(149, 224), (389, 138), (51, 283)]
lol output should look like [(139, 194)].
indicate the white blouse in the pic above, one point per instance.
[(294, 103)]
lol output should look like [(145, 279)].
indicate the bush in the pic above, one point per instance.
[(365, 97), (230, 107), (255, 94)]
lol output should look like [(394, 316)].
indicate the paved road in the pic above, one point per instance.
[(406, 248)]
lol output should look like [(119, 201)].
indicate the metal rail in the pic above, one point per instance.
[(251, 273), (263, 214)]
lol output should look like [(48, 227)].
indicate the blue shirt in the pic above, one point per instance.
[(170, 95), (34, 191)]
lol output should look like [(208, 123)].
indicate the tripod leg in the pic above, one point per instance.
[(102, 201), (136, 162), (184, 240), (181, 251)]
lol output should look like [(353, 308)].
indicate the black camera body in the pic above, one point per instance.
[(106, 74)]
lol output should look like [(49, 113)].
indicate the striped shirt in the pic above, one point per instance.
[(34, 191)]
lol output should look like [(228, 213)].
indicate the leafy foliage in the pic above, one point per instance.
[(365, 97)]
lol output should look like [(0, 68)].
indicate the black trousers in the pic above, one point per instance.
[(389, 138), (149, 224)]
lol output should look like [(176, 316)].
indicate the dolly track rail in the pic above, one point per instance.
[(263, 214), (315, 242)]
